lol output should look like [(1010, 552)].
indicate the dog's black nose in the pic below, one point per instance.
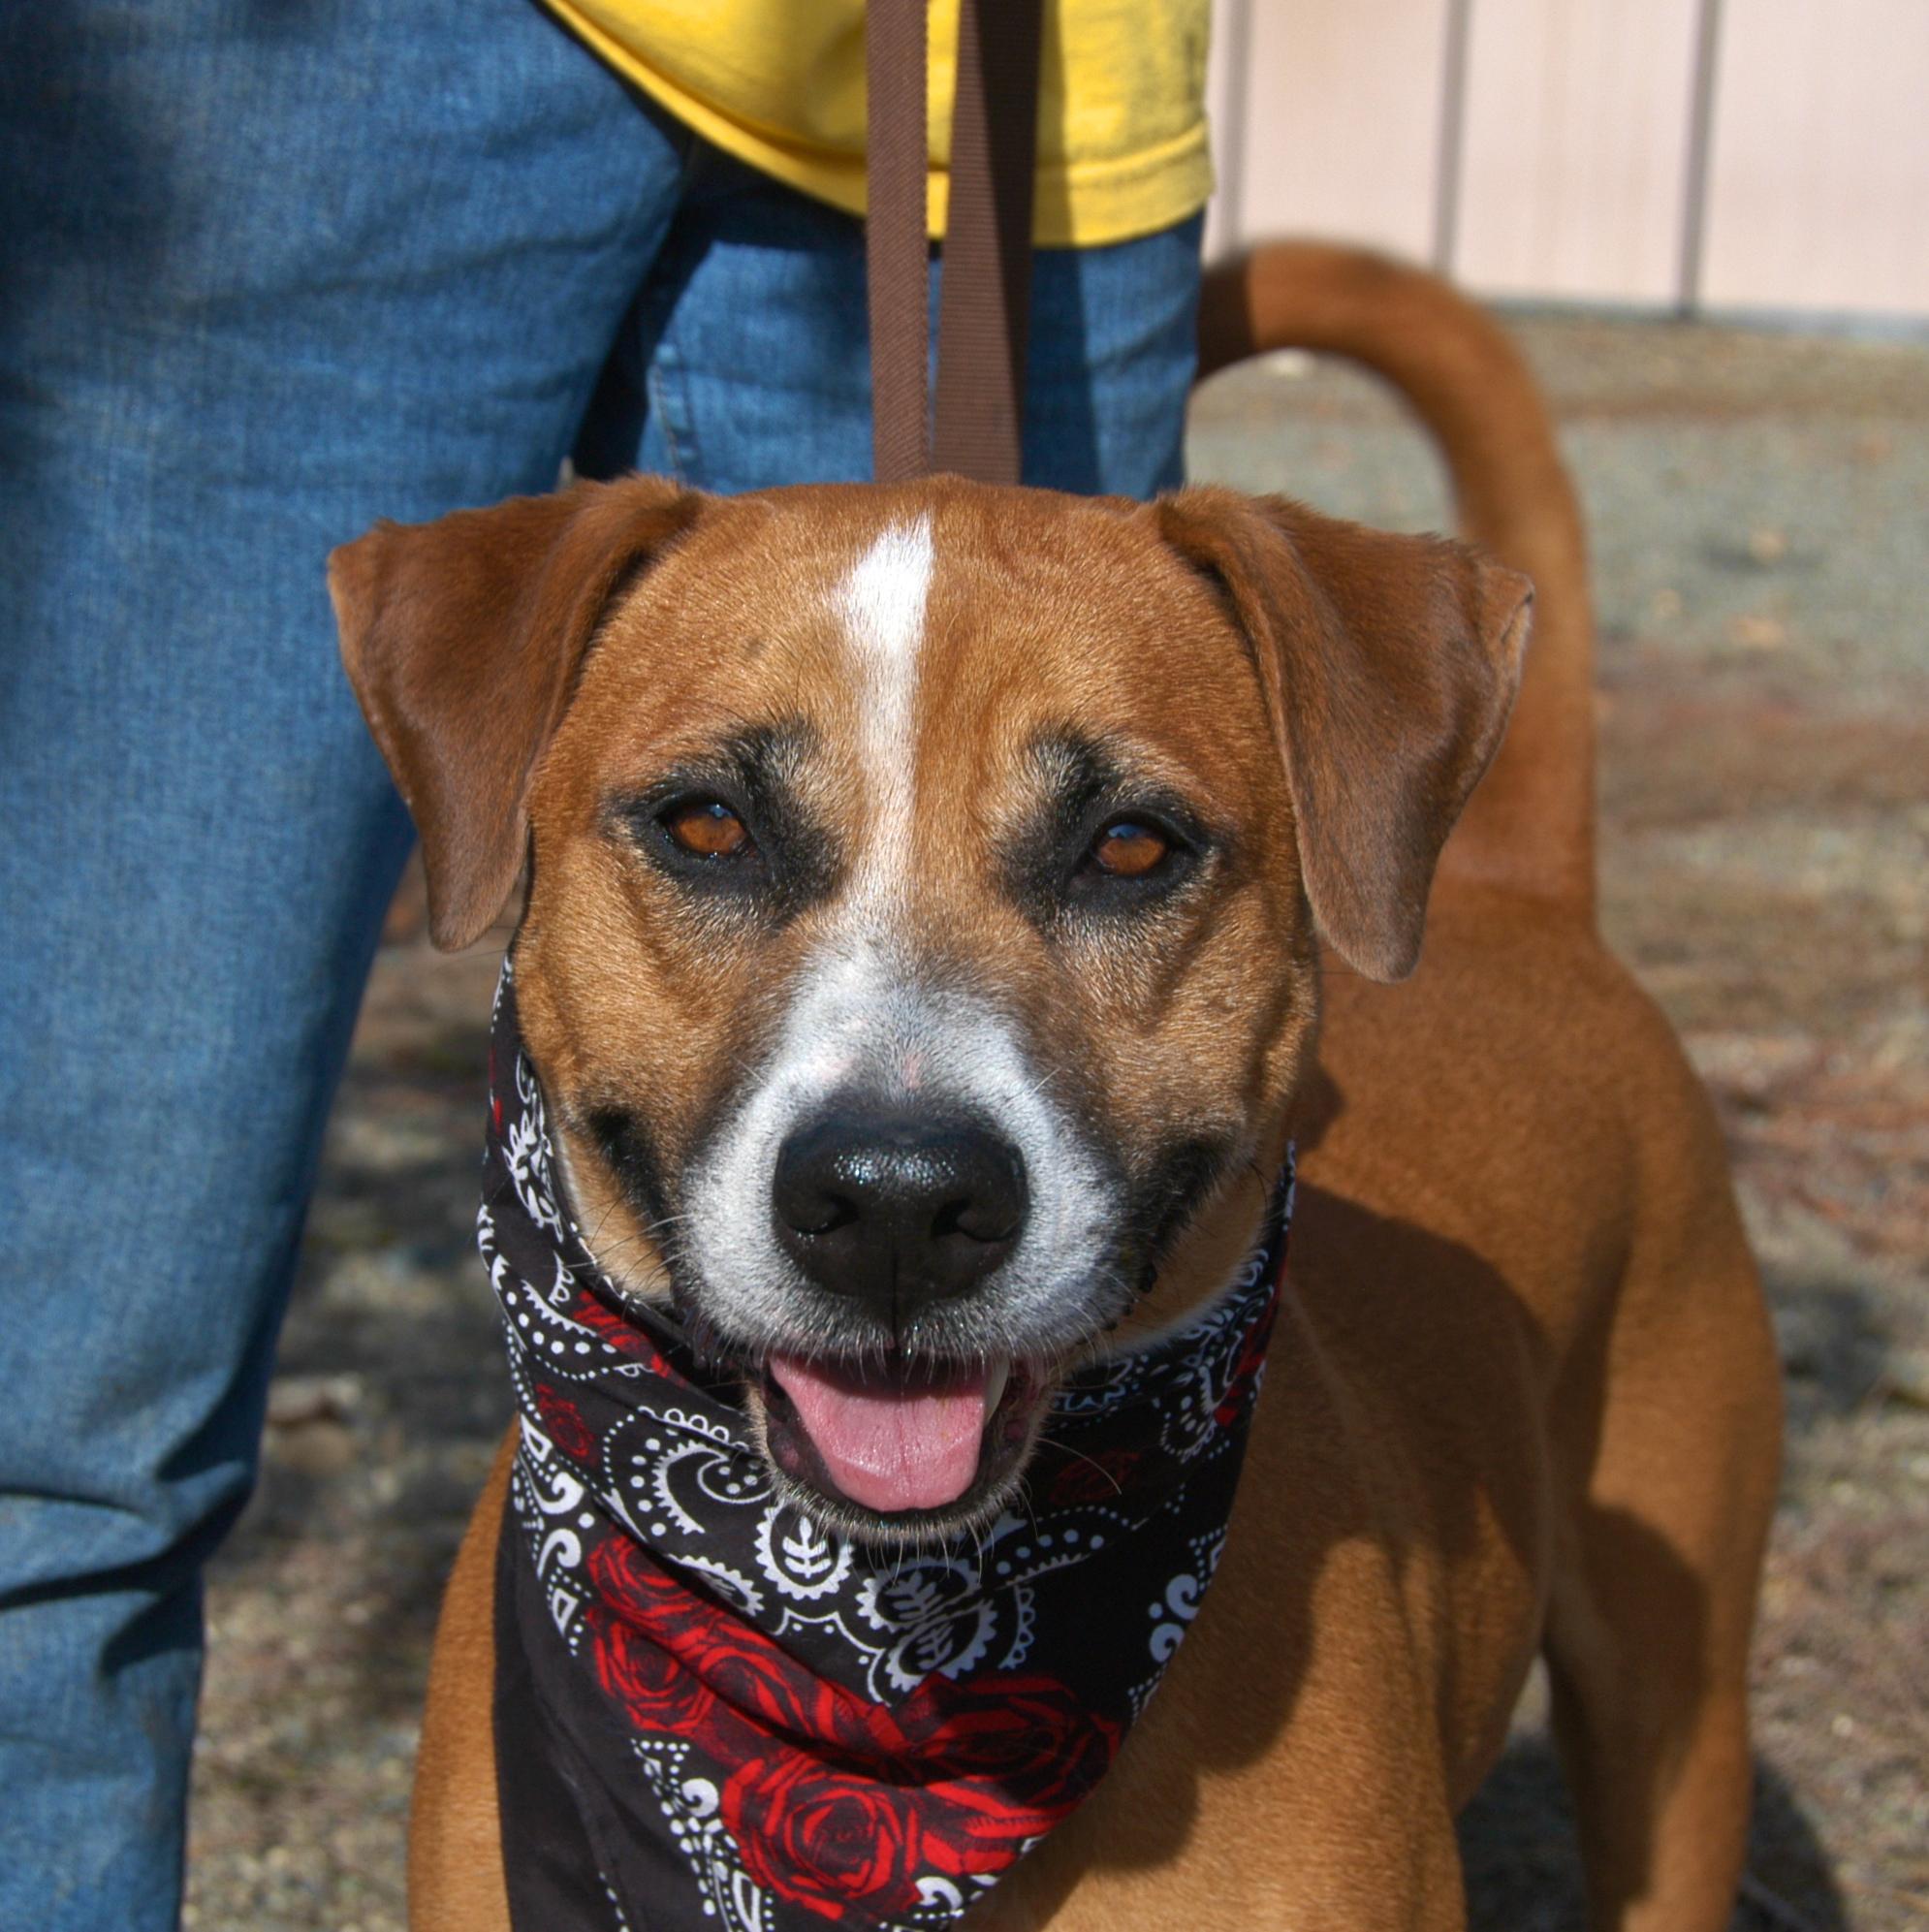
[(897, 1207)]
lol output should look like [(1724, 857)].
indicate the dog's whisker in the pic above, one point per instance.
[(1079, 1456)]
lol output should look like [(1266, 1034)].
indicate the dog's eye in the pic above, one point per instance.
[(707, 829), (1129, 848)]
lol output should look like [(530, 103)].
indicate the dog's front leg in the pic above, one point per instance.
[(454, 1862)]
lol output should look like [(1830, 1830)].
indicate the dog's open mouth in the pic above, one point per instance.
[(906, 1441)]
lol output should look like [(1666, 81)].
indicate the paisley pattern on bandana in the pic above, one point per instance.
[(713, 1711)]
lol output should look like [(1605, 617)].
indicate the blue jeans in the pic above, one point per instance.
[(268, 273)]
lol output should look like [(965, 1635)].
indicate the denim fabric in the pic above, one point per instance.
[(269, 272)]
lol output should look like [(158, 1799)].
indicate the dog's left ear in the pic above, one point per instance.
[(1389, 665), (463, 640)]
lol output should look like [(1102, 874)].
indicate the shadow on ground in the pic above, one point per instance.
[(1524, 1873)]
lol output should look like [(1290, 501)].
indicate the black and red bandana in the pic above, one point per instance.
[(711, 1712)]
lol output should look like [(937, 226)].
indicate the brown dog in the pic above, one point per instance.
[(1115, 796)]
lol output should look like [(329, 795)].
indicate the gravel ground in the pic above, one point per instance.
[(1757, 510)]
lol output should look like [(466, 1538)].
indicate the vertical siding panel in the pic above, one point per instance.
[(1451, 149), (1229, 88), (1700, 147), (1820, 182), (1576, 146), (1342, 120)]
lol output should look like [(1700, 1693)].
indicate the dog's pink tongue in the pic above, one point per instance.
[(887, 1445)]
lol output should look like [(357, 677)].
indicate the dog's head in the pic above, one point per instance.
[(919, 952)]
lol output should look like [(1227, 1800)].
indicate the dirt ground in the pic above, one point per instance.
[(1756, 506)]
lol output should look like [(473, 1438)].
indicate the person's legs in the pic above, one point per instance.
[(265, 273), (746, 364)]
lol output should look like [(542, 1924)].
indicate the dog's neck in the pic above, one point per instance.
[(719, 1705)]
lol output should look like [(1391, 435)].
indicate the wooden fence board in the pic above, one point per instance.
[(1339, 127), (1575, 147), (1819, 192)]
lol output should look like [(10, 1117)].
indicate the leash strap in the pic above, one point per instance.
[(984, 308), (897, 288), (987, 285)]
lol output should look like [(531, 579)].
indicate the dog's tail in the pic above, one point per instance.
[(1529, 824)]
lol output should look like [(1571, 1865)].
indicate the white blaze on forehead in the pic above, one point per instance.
[(881, 606), (882, 603)]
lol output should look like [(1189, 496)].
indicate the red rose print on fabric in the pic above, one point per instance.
[(772, 1690), (652, 1601), (656, 1693), (616, 1332), (1030, 1736), (956, 1782), (826, 1839), (563, 1424), (1004, 1760), (756, 1690)]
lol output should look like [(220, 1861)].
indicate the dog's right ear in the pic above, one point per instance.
[(463, 640)]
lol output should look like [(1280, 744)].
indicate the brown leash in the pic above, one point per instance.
[(984, 304)]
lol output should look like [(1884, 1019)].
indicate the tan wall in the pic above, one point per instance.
[(1719, 153)]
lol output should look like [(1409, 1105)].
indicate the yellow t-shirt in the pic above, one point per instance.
[(780, 83)]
